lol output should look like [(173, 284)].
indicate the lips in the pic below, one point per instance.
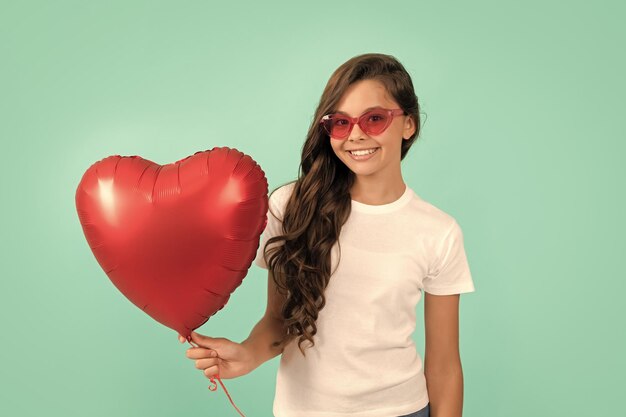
[(364, 157), (362, 149)]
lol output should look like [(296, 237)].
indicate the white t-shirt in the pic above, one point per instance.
[(364, 362)]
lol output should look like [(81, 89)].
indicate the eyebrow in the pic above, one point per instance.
[(364, 111)]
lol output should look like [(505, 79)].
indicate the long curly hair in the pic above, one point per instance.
[(320, 202)]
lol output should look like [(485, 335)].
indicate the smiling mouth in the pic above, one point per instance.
[(370, 151), (363, 157)]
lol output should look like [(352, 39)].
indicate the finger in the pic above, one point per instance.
[(200, 353), (181, 339), (211, 371), (206, 363), (202, 340)]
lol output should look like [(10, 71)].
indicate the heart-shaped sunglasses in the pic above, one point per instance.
[(372, 122)]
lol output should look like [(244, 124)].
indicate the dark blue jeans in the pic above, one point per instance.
[(424, 412)]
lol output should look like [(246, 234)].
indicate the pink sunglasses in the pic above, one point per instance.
[(373, 122)]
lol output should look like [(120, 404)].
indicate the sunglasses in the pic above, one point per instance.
[(372, 122)]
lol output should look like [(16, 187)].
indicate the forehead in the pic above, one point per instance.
[(363, 95)]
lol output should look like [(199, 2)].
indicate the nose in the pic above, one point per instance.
[(356, 133)]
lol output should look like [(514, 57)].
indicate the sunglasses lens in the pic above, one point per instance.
[(337, 126), (375, 122)]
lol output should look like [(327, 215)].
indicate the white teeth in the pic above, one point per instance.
[(365, 152)]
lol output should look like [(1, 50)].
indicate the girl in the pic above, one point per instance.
[(350, 248)]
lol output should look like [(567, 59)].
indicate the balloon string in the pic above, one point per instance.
[(214, 386)]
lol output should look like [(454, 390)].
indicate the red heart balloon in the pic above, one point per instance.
[(175, 239)]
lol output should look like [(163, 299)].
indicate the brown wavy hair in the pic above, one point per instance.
[(320, 202)]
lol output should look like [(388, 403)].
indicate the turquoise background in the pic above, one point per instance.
[(523, 145)]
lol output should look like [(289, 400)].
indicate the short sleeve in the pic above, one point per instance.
[(274, 225), (450, 272)]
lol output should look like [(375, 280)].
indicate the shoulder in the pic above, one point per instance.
[(431, 219), (282, 192), (280, 195)]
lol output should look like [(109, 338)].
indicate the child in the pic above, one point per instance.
[(350, 249)]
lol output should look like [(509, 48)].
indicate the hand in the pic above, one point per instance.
[(219, 356)]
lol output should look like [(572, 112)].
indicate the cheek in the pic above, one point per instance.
[(336, 147), (394, 139), (387, 142)]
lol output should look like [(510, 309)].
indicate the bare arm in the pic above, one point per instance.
[(442, 361), (269, 329)]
